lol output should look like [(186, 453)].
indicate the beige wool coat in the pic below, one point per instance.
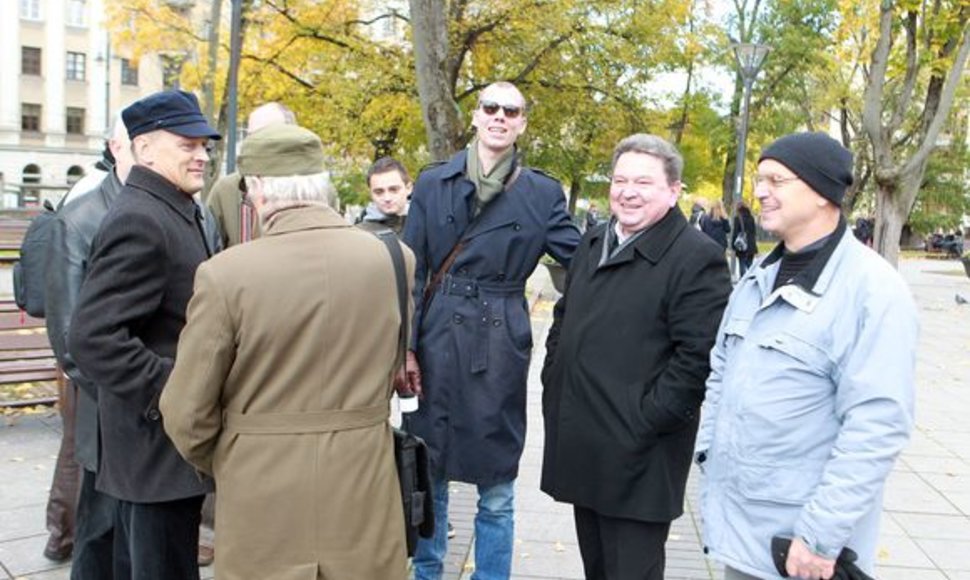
[(280, 390)]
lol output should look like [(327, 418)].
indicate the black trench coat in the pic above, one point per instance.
[(627, 358)]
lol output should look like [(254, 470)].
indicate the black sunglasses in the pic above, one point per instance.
[(491, 108)]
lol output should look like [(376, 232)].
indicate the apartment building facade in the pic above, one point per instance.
[(60, 84)]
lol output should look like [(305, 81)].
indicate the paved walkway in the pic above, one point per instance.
[(926, 526)]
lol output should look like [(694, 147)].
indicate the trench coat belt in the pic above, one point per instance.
[(472, 287), (308, 422)]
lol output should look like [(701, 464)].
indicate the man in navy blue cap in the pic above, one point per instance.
[(126, 325)]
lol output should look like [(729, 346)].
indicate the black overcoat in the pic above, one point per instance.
[(125, 329), (623, 379)]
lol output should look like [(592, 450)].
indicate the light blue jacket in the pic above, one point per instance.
[(809, 401)]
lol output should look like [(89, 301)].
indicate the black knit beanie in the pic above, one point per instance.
[(817, 159)]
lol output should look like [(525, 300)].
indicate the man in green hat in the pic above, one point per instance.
[(284, 369)]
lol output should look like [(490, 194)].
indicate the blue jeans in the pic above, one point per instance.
[(494, 530)]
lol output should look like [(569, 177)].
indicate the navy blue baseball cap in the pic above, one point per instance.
[(174, 111)]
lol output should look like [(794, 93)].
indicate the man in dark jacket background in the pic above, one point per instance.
[(126, 326), (473, 336), (627, 356), (390, 187), (70, 241)]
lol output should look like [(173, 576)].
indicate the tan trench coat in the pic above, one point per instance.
[(280, 390)]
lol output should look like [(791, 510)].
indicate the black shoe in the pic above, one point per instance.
[(58, 555), (451, 531)]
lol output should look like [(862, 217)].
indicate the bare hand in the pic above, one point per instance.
[(408, 379), (803, 563)]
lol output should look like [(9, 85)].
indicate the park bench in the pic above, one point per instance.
[(26, 359)]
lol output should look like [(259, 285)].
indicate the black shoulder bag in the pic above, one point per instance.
[(410, 451)]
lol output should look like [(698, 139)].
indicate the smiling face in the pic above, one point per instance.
[(640, 194), (181, 160), (498, 131), (791, 209), (389, 192)]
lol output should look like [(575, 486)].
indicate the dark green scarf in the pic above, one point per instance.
[(487, 186)]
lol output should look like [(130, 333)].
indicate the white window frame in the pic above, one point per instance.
[(30, 9), (77, 13)]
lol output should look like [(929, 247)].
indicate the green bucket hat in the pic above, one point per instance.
[(281, 150)]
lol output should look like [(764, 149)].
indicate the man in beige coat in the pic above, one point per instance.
[(282, 381)]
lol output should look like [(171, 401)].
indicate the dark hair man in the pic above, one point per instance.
[(390, 187), (626, 360), (810, 397), (126, 326), (478, 225)]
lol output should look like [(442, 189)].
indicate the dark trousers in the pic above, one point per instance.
[(161, 539), (620, 549), (62, 501), (94, 536)]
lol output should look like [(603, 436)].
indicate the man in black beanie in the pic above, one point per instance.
[(810, 397)]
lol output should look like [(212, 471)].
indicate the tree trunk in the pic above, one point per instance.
[(429, 28), (208, 82)]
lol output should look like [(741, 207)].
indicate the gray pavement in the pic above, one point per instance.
[(926, 524)]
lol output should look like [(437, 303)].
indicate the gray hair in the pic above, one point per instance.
[(293, 191), (655, 146)]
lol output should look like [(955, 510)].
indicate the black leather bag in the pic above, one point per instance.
[(411, 457), (410, 451)]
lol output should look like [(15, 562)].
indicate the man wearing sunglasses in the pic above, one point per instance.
[(810, 397), (478, 225)]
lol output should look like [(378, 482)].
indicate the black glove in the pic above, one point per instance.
[(845, 568)]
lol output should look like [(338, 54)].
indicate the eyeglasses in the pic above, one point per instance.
[(773, 181), (491, 107)]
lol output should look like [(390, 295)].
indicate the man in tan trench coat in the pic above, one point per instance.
[(282, 381)]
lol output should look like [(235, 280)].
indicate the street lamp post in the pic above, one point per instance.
[(750, 57)]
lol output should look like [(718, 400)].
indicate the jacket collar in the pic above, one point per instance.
[(110, 187), (652, 244), (311, 217), (804, 292), (455, 165), (157, 186)]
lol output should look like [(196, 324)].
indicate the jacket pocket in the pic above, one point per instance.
[(735, 329), (790, 483), (811, 357)]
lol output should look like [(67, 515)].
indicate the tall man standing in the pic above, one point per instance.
[(810, 397), (126, 328), (478, 225), (626, 360)]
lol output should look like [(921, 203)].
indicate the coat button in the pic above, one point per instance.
[(154, 415), (516, 227), (501, 277), (457, 319), (496, 323), (451, 219)]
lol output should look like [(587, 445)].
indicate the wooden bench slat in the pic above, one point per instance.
[(28, 377), (30, 341)]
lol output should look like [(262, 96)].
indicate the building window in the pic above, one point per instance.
[(75, 121), (75, 66), (30, 60), (29, 176), (129, 73), (171, 71), (74, 174), (30, 9), (30, 117), (75, 12)]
